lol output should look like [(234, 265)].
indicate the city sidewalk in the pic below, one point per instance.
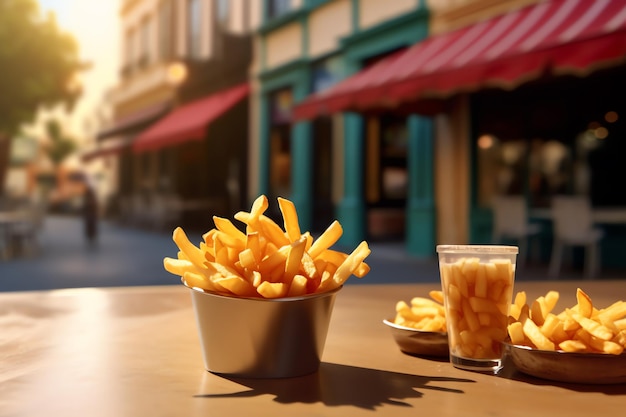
[(133, 257)]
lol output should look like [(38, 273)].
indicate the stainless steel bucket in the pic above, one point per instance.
[(262, 338)]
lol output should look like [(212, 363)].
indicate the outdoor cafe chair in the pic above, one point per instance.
[(573, 226), (510, 221)]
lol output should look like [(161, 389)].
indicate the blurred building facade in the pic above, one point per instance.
[(305, 47), (177, 140), (351, 122), (402, 119)]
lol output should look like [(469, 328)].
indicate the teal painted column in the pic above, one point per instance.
[(302, 148), (301, 173), (420, 211), (351, 209), (263, 184)]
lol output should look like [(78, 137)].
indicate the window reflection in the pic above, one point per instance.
[(278, 7), (387, 172), (542, 168), (194, 34), (280, 143), (166, 30), (395, 138)]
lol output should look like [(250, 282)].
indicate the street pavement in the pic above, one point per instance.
[(126, 256)]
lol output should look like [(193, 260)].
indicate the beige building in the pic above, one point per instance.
[(177, 56)]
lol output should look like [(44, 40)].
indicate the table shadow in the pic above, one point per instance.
[(337, 385)]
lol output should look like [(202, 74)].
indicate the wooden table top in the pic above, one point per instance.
[(135, 352)]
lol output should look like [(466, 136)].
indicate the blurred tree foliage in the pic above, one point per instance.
[(38, 66), (60, 146)]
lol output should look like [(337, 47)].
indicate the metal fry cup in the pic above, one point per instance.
[(262, 338)]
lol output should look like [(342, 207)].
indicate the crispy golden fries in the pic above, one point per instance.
[(266, 260), (580, 328), (478, 296), (426, 314)]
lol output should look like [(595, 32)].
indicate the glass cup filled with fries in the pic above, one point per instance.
[(477, 283), (263, 294)]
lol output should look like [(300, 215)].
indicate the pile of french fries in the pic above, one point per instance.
[(425, 314), (580, 328), (266, 260), (478, 295)]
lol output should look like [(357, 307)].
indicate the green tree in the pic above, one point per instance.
[(38, 66), (60, 145)]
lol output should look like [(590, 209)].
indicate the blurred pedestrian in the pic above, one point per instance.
[(90, 213)]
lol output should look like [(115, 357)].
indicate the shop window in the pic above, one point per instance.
[(137, 46), (559, 135), (538, 168), (144, 43), (165, 170), (280, 161), (166, 30), (323, 173), (194, 28), (326, 73), (281, 103), (387, 173), (550, 171), (394, 135), (223, 12), (501, 167), (129, 50), (277, 8)]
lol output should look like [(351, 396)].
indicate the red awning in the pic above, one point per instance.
[(189, 122), (135, 121), (564, 36)]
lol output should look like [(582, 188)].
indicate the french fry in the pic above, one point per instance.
[(298, 286), (273, 289), (330, 236), (265, 260), (614, 312), (422, 313), (593, 327), (536, 337), (294, 259), (196, 280), (347, 267), (580, 328), (436, 295), (192, 253), (290, 219), (516, 333), (478, 302), (585, 306), (572, 346), (552, 328)]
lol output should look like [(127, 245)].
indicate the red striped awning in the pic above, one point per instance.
[(562, 36), (190, 121), (136, 121)]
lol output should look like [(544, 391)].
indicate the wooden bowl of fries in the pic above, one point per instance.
[(254, 337), (572, 367), (419, 342)]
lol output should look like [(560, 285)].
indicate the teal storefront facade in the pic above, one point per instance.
[(350, 205)]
